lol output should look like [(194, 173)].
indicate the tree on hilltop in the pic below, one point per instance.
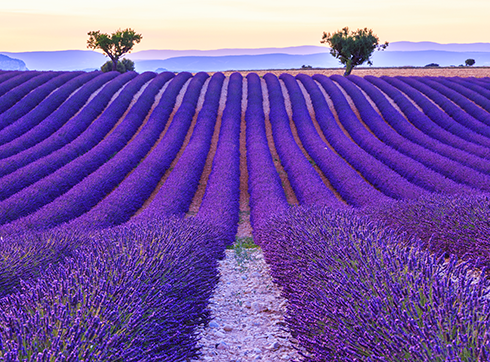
[(469, 62), (115, 45), (353, 48)]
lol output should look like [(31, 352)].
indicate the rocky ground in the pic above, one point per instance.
[(247, 310)]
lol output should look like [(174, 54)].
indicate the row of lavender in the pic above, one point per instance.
[(376, 283), (136, 291), (105, 183), (89, 160)]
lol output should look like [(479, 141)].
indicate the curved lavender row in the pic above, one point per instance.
[(435, 164), (27, 175), (476, 82), (49, 188), (132, 293), (410, 132), (374, 171), (405, 166), (69, 131), (470, 88), (481, 82), (305, 181), (424, 123), (356, 292), (221, 201), (86, 193), (6, 75), (177, 192), (130, 195), (439, 94), (342, 176), (16, 94), (350, 185), (267, 196), (463, 91), (29, 129), (16, 80), (32, 99), (439, 117), (451, 224)]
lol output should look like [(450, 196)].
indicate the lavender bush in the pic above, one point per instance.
[(305, 181), (6, 75), (440, 118), (424, 123), (32, 99), (441, 95), (175, 195), (47, 189), (133, 293), (391, 183), (90, 190), (221, 201), (267, 196), (69, 131), (447, 224), (16, 94), (406, 129), (29, 174), (360, 292), (430, 160), (135, 189), (471, 89), (350, 185), (17, 79), (406, 167), (50, 114)]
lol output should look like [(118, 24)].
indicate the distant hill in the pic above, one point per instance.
[(397, 54), (237, 62), (7, 63), (61, 60), (166, 54), (424, 57), (320, 60), (428, 45)]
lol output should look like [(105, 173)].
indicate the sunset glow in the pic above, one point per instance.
[(214, 24)]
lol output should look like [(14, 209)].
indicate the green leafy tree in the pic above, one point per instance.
[(123, 65), (353, 48), (115, 45), (469, 62)]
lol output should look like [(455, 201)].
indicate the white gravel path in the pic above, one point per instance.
[(247, 310)]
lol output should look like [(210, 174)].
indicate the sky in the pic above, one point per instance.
[(33, 25)]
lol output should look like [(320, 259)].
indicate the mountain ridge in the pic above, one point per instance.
[(400, 53)]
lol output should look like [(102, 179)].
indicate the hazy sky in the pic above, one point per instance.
[(31, 25)]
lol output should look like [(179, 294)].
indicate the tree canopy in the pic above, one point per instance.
[(469, 62), (353, 48), (114, 45)]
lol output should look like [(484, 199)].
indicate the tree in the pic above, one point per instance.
[(123, 65), (114, 45), (353, 48), (469, 62)]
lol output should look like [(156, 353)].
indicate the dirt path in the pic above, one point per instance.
[(248, 311)]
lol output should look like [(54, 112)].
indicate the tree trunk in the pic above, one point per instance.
[(114, 64), (348, 68)]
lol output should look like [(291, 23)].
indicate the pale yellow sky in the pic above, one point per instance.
[(215, 24)]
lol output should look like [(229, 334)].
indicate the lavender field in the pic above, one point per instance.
[(119, 193)]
